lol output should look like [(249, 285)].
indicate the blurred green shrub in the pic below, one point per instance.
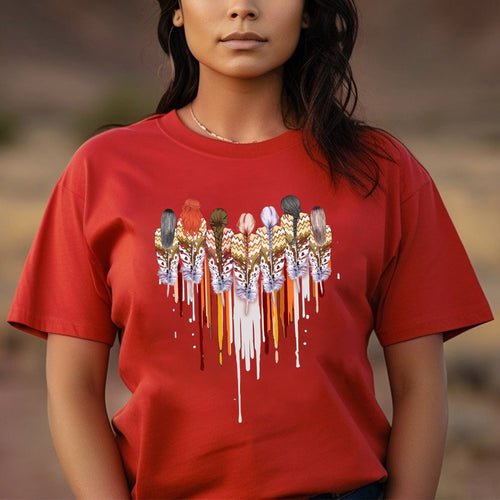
[(122, 105), (9, 127)]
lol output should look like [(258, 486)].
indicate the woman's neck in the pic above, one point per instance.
[(242, 110)]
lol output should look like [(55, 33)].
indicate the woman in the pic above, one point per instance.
[(243, 342)]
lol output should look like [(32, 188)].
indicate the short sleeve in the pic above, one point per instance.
[(62, 289), (429, 286)]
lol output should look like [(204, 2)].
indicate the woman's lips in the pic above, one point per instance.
[(243, 41), (242, 44)]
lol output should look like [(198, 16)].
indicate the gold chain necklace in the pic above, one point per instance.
[(209, 132)]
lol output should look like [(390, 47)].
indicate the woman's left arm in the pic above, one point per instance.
[(417, 376)]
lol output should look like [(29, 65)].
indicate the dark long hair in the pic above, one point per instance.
[(319, 93)]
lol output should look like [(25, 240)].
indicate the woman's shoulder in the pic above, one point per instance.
[(397, 164), (102, 155), (108, 138)]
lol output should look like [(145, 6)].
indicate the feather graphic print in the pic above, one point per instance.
[(202, 260), (245, 250), (220, 264), (218, 251), (320, 246), (297, 227), (191, 233), (167, 250), (273, 243)]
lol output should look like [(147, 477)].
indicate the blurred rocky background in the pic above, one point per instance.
[(427, 70)]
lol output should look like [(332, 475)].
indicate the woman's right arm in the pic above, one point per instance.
[(84, 441)]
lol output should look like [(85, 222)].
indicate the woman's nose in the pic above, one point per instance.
[(241, 9)]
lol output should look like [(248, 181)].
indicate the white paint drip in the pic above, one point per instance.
[(237, 351), (306, 293), (247, 338), (188, 288), (257, 346), (207, 294), (192, 301), (262, 312), (230, 326), (296, 314)]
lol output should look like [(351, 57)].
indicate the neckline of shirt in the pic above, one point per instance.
[(171, 125)]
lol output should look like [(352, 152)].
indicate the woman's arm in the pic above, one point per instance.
[(82, 435), (417, 376)]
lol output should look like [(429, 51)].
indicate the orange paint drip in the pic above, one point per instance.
[(220, 324), (176, 290), (275, 325), (290, 287)]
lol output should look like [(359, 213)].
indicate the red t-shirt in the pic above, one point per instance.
[(263, 389)]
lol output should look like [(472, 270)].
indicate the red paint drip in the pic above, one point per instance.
[(266, 342)]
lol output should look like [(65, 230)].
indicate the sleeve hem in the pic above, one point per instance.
[(450, 326), (41, 327)]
